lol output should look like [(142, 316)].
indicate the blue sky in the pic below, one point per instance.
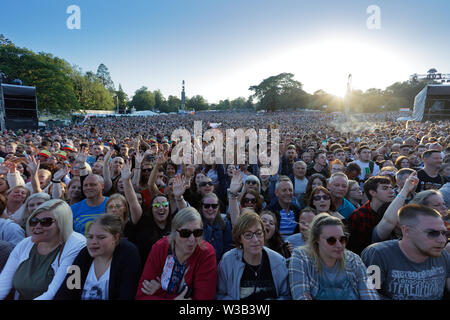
[(222, 47)]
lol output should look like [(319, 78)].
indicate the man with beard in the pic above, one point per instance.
[(416, 267)]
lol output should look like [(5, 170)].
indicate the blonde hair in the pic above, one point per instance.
[(312, 245), (62, 214)]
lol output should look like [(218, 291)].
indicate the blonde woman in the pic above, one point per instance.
[(324, 269)]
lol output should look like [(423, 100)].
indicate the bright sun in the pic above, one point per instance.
[(327, 64)]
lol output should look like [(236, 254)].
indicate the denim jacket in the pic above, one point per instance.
[(220, 239)]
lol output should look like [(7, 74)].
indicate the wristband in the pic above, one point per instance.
[(401, 197), (55, 181), (84, 168)]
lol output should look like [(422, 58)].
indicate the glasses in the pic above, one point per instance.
[(324, 197), (209, 183), (434, 234), (45, 222), (165, 204), (248, 235), (185, 233), (332, 240), (210, 205), (248, 200), (146, 170), (251, 182)]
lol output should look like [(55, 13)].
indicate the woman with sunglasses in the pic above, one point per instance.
[(324, 270), (216, 229), (110, 266), (314, 181), (38, 264), (320, 199), (181, 266), (252, 271)]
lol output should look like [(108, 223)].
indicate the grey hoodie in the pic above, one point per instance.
[(231, 268)]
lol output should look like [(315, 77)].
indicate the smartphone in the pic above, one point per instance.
[(188, 292)]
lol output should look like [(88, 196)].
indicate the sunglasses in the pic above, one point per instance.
[(210, 205), (185, 233), (165, 204), (251, 182), (324, 197), (146, 170), (209, 183), (433, 234), (248, 200), (45, 222), (332, 240)]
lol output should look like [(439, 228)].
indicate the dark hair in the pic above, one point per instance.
[(310, 182), (399, 160), (408, 214), (352, 166), (258, 198), (372, 184), (428, 153), (317, 190), (276, 242)]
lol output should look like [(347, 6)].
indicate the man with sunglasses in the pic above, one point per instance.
[(416, 267)]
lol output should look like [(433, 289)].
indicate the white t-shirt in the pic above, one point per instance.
[(96, 289), (363, 166)]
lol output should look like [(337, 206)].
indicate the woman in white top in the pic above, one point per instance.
[(37, 266)]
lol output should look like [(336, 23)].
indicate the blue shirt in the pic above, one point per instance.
[(346, 208), (287, 223), (83, 215)]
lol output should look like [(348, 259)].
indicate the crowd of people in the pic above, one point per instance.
[(105, 198)]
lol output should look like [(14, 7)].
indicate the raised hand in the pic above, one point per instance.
[(236, 182), (125, 173), (33, 165), (82, 155), (138, 158), (179, 186), (411, 182), (61, 173)]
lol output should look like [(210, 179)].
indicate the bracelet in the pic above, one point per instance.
[(179, 199), (138, 168), (234, 195), (55, 181), (84, 168), (401, 197)]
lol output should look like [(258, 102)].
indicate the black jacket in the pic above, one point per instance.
[(123, 279)]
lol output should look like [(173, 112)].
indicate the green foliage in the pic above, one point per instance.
[(173, 104), (197, 103), (143, 99), (105, 77), (280, 92), (122, 99)]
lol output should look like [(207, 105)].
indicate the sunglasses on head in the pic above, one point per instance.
[(248, 200), (45, 222), (165, 204), (209, 183), (210, 205), (332, 240), (185, 233), (251, 182), (324, 197)]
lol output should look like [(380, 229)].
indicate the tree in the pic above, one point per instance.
[(159, 99), (105, 77), (122, 99), (143, 99), (238, 103), (197, 103), (4, 40), (270, 92), (173, 104)]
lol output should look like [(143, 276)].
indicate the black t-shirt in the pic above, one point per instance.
[(426, 182), (312, 171), (144, 234), (257, 281)]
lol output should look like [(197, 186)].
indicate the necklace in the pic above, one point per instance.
[(255, 270)]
